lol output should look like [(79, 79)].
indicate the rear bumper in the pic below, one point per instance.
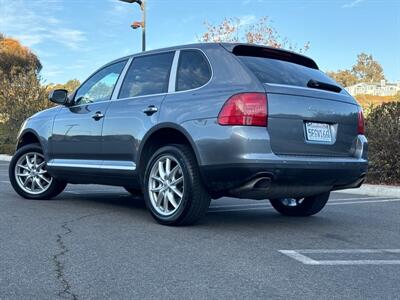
[(288, 177), (231, 157)]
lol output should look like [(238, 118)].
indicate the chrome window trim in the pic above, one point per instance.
[(92, 164), (174, 70), (121, 79), (143, 96)]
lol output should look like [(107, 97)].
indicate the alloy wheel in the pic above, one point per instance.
[(31, 174), (166, 185)]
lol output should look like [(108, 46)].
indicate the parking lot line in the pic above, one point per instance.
[(364, 202), (346, 251), (299, 255), (262, 203), (246, 207), (83, 193)]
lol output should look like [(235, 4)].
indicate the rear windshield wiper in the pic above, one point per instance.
[(315, 84)]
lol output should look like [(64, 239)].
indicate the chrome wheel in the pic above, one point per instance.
[(291, 202), (166, 185), (31, 174)]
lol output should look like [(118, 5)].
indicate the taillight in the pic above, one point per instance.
[(249, 109), (361, 123)]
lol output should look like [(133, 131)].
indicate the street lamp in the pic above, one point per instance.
[(142, 24)]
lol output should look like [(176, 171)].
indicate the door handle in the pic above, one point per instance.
[(150, 110), (98, 115)]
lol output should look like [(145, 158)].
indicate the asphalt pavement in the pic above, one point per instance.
[(98, 242)]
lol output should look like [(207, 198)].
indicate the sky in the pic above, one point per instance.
[(73, 38)]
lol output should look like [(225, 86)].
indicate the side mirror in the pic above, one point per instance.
[(59, 96)]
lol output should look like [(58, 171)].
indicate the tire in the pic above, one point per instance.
[(304, 207), (50, 186), (189, 195), (134, 192)]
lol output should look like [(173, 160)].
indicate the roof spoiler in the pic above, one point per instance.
[(268, 52)]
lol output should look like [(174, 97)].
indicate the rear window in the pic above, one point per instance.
[(269, 70)]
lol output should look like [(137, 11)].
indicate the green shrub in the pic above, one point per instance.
[(383, 133), (6, 147)]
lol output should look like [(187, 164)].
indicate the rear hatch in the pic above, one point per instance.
[(308, 113)]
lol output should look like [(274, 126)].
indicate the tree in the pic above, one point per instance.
[(367, 69), (21, 95), (70, 85), (234, 30), (344, 77), (21, 92), (14, 57)]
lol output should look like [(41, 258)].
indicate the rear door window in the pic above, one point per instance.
[(147, 75), (193, 70)]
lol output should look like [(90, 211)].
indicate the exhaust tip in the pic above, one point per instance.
[(262, 183)]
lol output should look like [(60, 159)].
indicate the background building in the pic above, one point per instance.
[(376, 89)]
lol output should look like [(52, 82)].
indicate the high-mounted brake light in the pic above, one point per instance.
[(248, 109), (361, 122)]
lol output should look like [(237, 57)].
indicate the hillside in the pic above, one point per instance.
[(367, 100)]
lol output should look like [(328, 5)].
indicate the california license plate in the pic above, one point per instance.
[(318, 132)]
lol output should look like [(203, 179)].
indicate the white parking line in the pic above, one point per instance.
[(364, 202), (346, 251), (83, 193), (262, 203), (4, 181), (306, 260), (245, 207)]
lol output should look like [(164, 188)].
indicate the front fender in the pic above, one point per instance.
[(40, 126)]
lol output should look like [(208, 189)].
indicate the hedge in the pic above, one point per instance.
[(383, 133), (6, 147)]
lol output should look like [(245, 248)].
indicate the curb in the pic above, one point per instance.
[(374, 190), (4, 157)]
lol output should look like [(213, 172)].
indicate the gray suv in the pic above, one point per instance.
[(188, 124)]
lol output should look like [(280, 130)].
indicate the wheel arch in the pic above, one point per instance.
[(161, 135), (27, 137)]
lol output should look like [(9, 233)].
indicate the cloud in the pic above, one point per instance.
[(247, 20), (71, 38), (352, 4), (33, 25), (245, 2)]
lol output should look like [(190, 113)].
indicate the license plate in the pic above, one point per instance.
[(318, 132)]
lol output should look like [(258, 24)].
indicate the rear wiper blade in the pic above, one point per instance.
[(315, 84)]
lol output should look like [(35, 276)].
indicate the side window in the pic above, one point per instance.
[(193, 70), (147, 75), (100, 86)]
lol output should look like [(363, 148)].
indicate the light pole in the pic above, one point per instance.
[(142, 24)]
